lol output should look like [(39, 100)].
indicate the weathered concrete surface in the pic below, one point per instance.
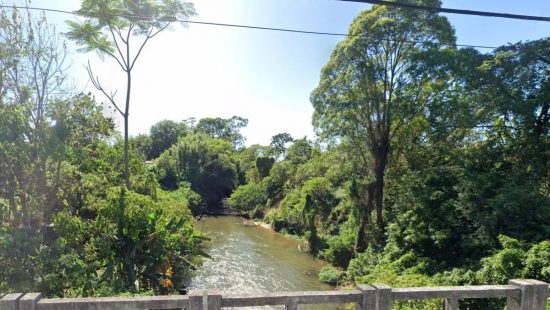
[(520, 295)]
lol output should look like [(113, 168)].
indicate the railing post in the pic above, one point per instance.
[(541, 294), (368, 299), (28, 302), (383, 296), (533, 295), (451, 303), (195, 300), (214, 300), (10, 301)]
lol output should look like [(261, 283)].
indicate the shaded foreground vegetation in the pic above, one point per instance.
[(69, 226), (432, 167)]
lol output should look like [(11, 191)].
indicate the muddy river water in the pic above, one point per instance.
[(252, 259)]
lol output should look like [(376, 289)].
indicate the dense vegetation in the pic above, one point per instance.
[(68, 224), (432, 167)]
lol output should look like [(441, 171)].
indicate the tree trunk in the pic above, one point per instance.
[(542, 120), (42, 200), (11, 201), (379, 169), (130, 273), (361, 243), (126, 115), (379, 192)]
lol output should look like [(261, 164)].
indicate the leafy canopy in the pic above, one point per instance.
[(105, 18)]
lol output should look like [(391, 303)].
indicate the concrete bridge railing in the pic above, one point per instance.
[(520, 295)]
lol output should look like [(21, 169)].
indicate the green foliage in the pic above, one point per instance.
[(331, 275), (278, 177), (247, 166), (111, 27), (537, 262), (371, 267), (142, 145), (288, 216), (98, 239), (299, 152), (67, 228), (185, 198), (264, 164), (278, 144), (204, 162), (309, 212), (340, 246), (248, 197), (438, 175), (130, 233), (321, 193), (163, 135), (226, 129), (100, 16), (504, 265), (370, 88)]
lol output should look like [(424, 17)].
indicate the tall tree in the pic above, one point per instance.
[(278, 144), (369, 88), (32, 62), (227, 129), (110, 28), (163, 135), (207, 164), (508, 167)]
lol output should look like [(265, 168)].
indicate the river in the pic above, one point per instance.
[(252, 259)]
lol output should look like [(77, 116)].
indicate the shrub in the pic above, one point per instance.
[(331, 275), (537, 262), (340, 250), (248, 197)]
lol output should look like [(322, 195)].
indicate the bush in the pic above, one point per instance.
[(340, 250), (288, 215), (183, 200), (537, 263), (506, 264), (248, 197), (331, 275)]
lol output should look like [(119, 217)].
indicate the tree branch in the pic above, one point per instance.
[(160, 30), (97, 85), (116, 58), (139, 51), (118, 47)]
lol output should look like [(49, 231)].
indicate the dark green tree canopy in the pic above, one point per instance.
[(204, 162), (370, 88), (163, 135), (300, 151), (227, 129), (278, 144), (369, 79)]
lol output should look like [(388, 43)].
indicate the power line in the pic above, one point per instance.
[(267, 28), (230, 25), (453, 11), (184, 21)]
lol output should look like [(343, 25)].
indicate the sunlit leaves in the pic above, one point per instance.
[(90, 37)]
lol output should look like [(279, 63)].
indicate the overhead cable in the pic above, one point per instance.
[(226, 25), (453, 11)]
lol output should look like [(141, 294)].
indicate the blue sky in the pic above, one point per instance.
[(208, 71)]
